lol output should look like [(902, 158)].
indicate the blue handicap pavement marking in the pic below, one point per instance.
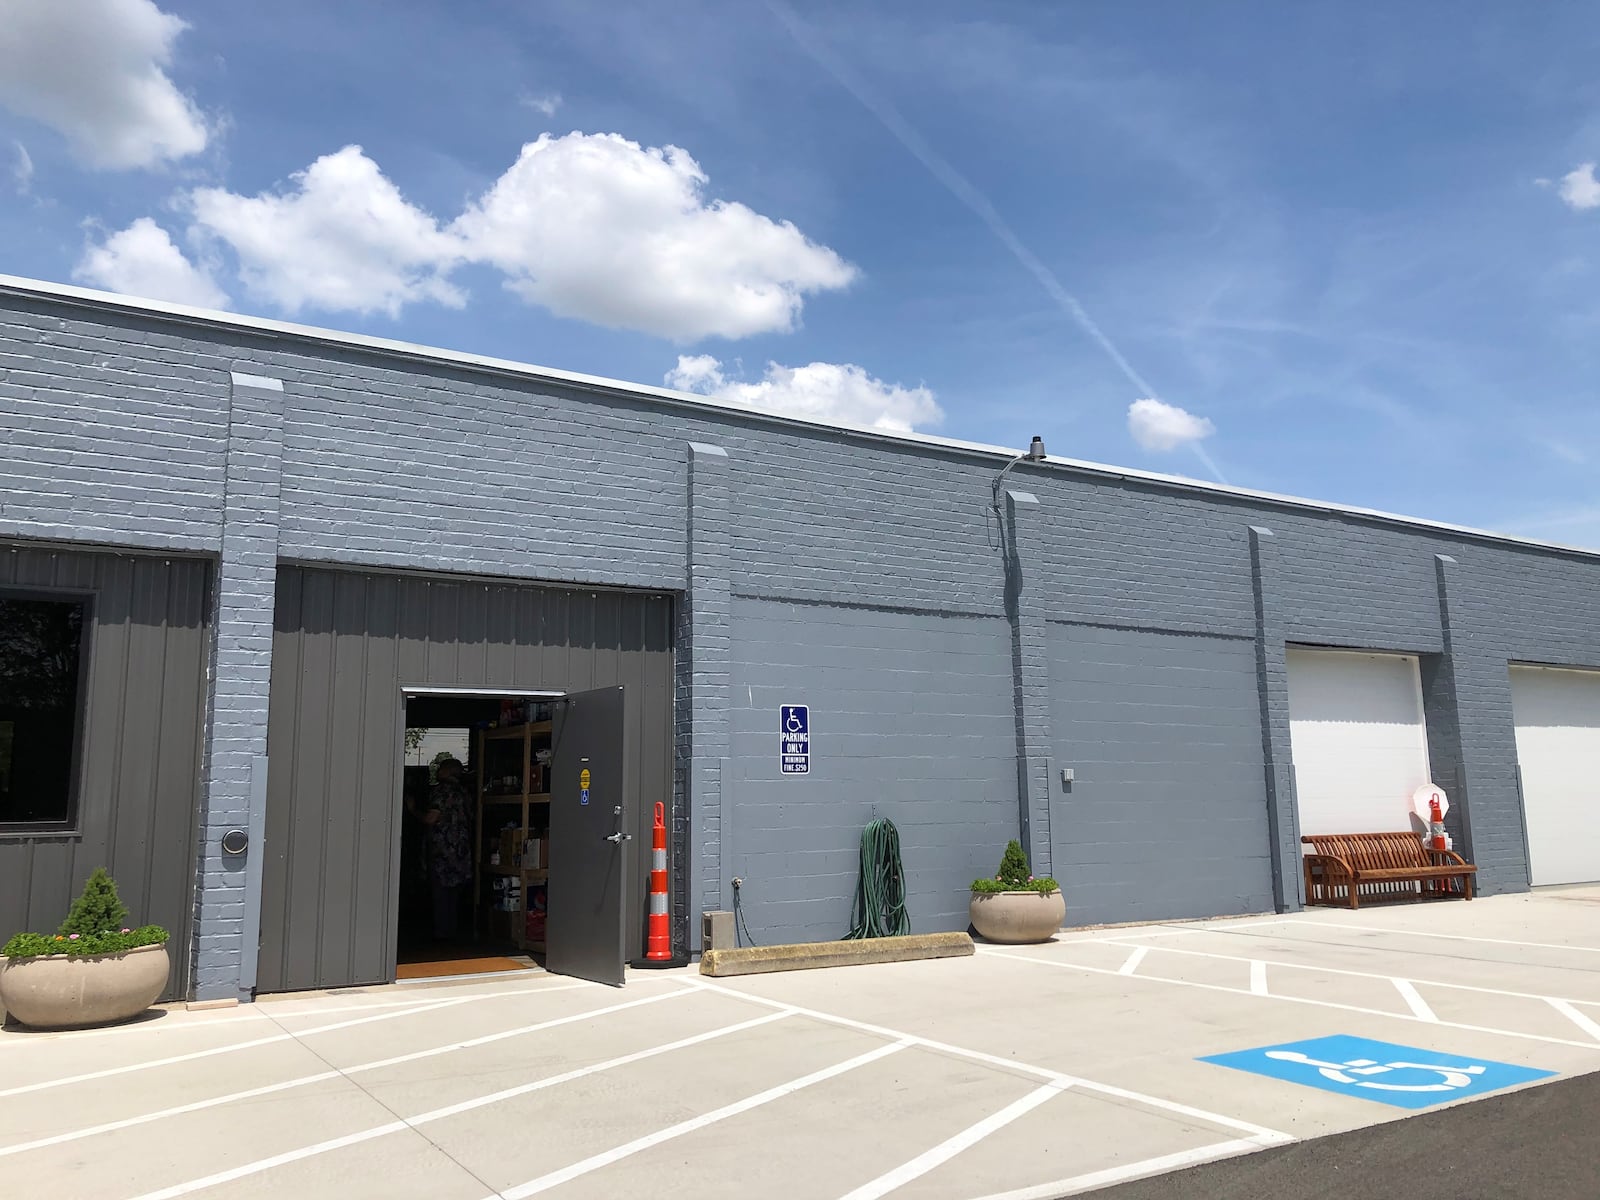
[(1399, 1075)]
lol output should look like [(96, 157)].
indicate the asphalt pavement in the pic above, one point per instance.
[(1540, 1143)]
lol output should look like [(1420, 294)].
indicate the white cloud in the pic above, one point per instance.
[(93, 71), (589, 226), (342, 238), (1579, 187), (142, 260), (546, 104), (836, 392), (21, 168), (596, 227), (1159, 426)]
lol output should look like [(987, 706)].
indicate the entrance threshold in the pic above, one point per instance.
[(456, 968)]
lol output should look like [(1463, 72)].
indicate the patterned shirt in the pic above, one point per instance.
[(450, 837)]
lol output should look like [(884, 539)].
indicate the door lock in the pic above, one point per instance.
[(619, 838)]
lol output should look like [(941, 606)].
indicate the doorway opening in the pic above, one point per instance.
[(474, 843), (518, 855)]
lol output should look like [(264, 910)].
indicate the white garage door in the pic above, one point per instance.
[(1359, 745), (1558, 751)]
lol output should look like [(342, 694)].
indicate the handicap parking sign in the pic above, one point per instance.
[(794, 739), (1399, 1075)]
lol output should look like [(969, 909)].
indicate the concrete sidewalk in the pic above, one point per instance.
[(1022, 1072)]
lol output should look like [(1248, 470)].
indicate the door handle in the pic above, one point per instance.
[(618, 838)]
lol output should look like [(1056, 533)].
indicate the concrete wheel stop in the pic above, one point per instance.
[(804, 956)]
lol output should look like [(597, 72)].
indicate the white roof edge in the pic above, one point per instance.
[(505, 366)]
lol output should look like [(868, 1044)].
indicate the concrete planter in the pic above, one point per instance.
[(1018, 917), (60, 991)]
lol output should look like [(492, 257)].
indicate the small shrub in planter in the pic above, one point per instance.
[(1015, 906), (93, 970)]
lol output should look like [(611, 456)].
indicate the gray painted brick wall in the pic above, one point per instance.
[(911, 719), (241, 668), (1272, 693), (1166, 815), (1028, 605), (115, 433), (703, 667)]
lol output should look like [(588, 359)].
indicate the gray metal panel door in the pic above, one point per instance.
[(590, 839), (1167, 815), (346, 646)]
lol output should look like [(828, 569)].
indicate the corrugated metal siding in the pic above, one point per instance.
[(345, 645), (139, 777)]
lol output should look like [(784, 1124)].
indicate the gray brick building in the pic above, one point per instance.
[(283, 531)]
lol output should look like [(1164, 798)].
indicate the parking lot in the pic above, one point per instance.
[(1035, 1071)]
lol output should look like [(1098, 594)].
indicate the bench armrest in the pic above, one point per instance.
[(1452, 856), (1340, 868)]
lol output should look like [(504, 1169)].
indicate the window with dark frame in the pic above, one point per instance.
[(41, 695)]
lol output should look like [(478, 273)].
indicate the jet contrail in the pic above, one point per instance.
[(963, 190)]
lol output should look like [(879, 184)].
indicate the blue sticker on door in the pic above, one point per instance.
[(1399, 1075)]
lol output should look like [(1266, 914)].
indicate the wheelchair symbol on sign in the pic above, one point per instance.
[(1452, 1078), (792, 720)]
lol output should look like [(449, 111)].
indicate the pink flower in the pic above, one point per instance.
[(1030, 878), (127, 931), (72, 937)]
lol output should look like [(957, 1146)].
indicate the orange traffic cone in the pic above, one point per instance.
[(658, 946), (1436, 822)]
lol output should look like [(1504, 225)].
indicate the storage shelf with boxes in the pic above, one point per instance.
[(513, 837)]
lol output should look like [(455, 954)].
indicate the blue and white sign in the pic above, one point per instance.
[(794, 739), (1399, 1075), (583, 795)]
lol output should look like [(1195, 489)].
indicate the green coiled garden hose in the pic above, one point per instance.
[(880, 909)]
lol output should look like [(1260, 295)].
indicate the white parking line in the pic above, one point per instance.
[(1133, 960), (1414, 1000), (950, 1147), (272, 1007), (1579, 1019), (1259, 1134), (594, 1162), (438, 1114), (1295, 966), (1258, 978), (234, 1047), (1217, 987), (305, 1080), (269, 1006), (1136, 1170), (1453, 937), (175, 1111)]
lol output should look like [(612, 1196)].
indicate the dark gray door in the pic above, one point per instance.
[(590, 836)]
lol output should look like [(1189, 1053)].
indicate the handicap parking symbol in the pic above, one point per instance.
[(1403, 1076)]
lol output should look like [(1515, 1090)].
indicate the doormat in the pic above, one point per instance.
[(460, 966)]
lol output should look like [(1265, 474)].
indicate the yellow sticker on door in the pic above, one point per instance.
[(583, 779)]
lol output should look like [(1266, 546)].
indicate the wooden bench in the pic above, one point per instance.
[(1343, 867)]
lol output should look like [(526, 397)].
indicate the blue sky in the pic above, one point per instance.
[(1345, 252)]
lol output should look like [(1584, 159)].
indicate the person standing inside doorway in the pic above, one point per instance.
[(449, 848)]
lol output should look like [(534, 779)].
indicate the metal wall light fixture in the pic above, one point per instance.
[(1034, 453)]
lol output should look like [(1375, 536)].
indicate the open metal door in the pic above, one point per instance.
[(585, 928)]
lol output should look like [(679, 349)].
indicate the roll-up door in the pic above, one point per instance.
[(1358, 740), (1558, 754)]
